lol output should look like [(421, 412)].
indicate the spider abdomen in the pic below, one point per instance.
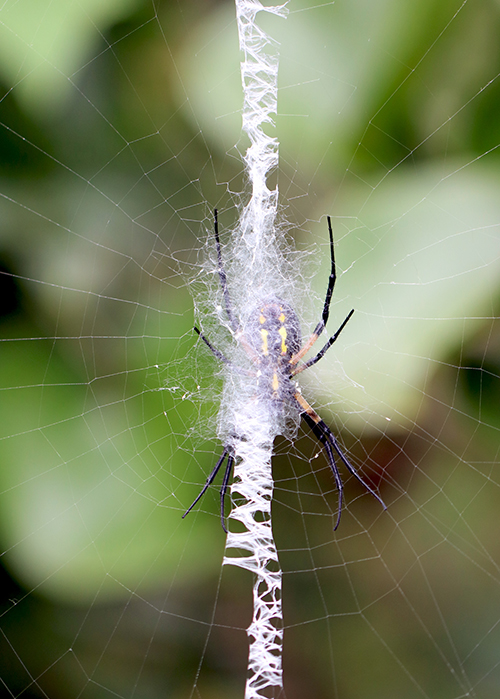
[(274, 332), (274, 335)]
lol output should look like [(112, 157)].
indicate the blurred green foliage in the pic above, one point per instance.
[(118, 129)]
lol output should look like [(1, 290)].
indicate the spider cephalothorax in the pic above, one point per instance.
[(272, 340)]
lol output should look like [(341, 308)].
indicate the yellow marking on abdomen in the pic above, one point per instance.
[(276, 383), (282, 332), (264, 334)]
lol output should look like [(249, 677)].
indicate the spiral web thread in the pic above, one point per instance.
[(252, 547)]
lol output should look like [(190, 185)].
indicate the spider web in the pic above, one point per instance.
[(120, 132)]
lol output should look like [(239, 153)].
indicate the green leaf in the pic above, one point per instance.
[(43, 45)]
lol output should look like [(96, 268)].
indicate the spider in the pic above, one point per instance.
[(274, 345)]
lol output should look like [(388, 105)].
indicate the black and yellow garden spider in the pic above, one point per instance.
[(273, 343)]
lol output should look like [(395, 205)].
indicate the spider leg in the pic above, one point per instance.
[(223, 490), (326, 307), (212, 349), (352, 470), (211, 478), (228, 306), (222, 276), (326, 437), (222, 357), (322, 351), (331, 460), (331, 283)]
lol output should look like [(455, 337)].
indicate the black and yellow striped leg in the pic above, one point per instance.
[(321, 430), (322, 351), (227, 474), (324, 317), (316, 429)]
